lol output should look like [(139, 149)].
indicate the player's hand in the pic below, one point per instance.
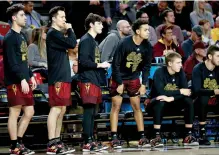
[(120, 89), (25, 86), (104, 64), (68, 26), (142, 90), (186, 92), (165, 98), (34, 84)]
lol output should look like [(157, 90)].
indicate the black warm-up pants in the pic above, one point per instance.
[(159, 108), (202, 107)]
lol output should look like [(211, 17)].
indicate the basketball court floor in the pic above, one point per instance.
[(167, 150)]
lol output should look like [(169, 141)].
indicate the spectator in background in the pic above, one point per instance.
[(119, 10), (198, 55), (181, 14), (187, 45), (215, 6), (37, 55), (33, 18), (109, 44), (206, 32), (200, 13), (215, 31), (167, 43), (73, 59), (169, 19), (154, 11), (4, 5), (152, 37)]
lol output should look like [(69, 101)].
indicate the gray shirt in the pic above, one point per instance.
[(34, 58), (108, 46)]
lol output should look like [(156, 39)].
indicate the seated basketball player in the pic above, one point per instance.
[(205, 79), (170, 91)]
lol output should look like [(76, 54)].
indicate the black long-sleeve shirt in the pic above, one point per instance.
[(58, 61), (169, 85), (130, 59), (204, 81), (89, 56), (15, 58)]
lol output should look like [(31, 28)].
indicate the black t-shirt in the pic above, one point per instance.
[(15, 58), (204, 81), (169, 85), (130, 59), (57, 57), (89, 56)]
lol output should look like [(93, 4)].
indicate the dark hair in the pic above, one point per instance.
[(26, 2), (13, 10), (164, 29), (212, 49), (203, 22), (139, 14), (165, 13), (137, 24), (170, 56), (92, 18), (53, 12)]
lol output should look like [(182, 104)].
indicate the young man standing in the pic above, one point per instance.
[(133, 56), (170, 91), (89, 76), (205, 80), (18, 79), (59, 77)]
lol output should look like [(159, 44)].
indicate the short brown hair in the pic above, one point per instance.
[(211, 50), (203, 22), (164, 29), (170, 56), (92, 18), (13, 10)]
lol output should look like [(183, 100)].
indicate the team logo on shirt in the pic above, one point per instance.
[(58, 87), (170, 87), (24, 50), (133, 60), (210, 84), (87, 86), (97, 55), (14, 88)]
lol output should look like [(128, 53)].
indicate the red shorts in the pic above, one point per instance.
[(132, 87), (17, 97), (90, 93), (60, 94)]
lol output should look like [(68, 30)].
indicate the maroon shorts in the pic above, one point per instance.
[(60, 94), (17, 97), (132, 87), (90, 93)]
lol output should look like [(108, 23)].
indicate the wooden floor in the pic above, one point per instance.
[(167, 150)]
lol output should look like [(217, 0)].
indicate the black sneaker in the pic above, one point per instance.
[(55, 150), (190, 141), (66, 147), (116, 144), (20, 150), (89, 147), (99, 146), (156, 142), (204, 141), (144, 142)]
